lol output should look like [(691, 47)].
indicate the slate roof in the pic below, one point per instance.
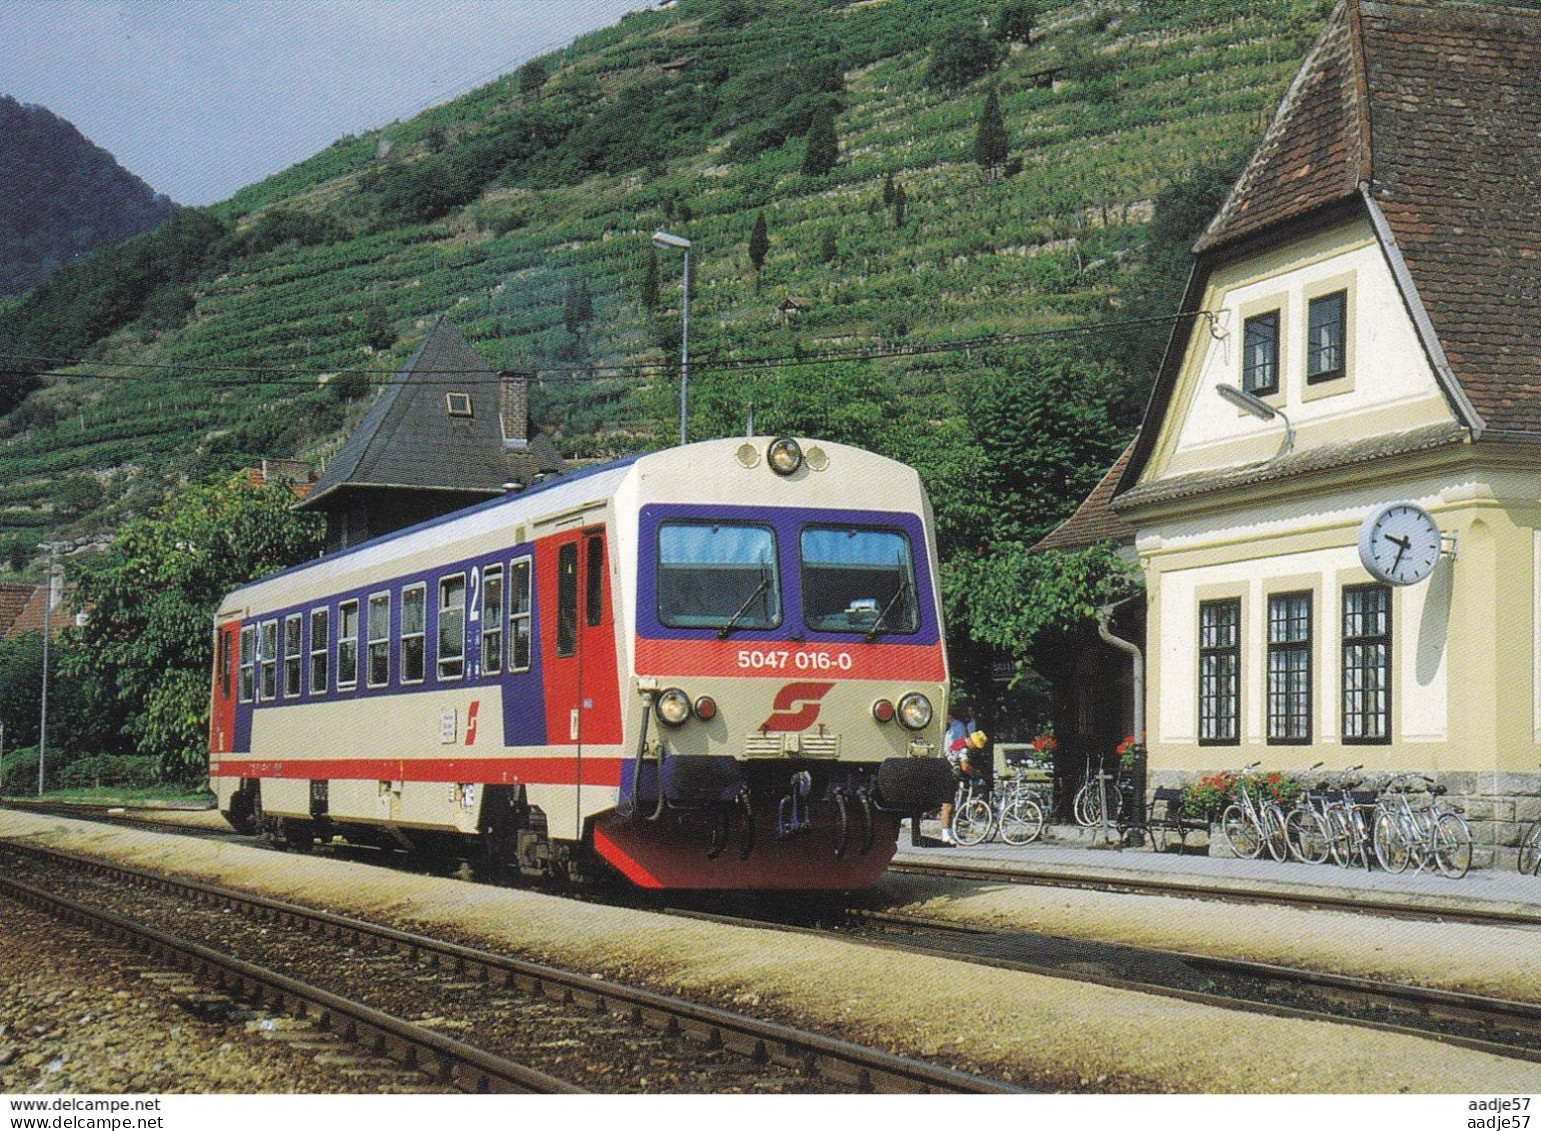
[(1093, 521), (408, 439), (1436, 110)]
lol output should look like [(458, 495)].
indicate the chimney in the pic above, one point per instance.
[(514, 409)]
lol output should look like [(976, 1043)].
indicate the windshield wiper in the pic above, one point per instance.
[(877, 628), (759, 591)]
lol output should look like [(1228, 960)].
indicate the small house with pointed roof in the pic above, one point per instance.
[(446, 433), (1369, 296)]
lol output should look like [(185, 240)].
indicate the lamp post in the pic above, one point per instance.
[(48, 602), (1260, 409), (666, 240)]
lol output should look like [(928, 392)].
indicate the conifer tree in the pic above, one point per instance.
[(759, 242), (823, 146), (991, 145)]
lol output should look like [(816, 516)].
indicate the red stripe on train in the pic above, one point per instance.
[(918, 663), (489, 771)]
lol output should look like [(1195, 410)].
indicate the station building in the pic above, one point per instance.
[(1374, 283)]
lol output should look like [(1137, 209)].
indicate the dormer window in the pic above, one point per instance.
[(1260, 354), (1326, 336), (458, 404)]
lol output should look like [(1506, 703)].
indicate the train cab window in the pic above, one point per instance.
[(567, 599), (292, 652), (717, 575), (520, 589), (247, 679), (492, 620), (858, 579), (594, 581), (267, 662), (320, 640), (452, 627), (347, 645), (379, 673), (414, 627)]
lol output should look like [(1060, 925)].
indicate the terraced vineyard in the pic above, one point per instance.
[(1109, 104)]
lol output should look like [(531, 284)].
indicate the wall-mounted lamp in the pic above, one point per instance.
[(1260, 409)]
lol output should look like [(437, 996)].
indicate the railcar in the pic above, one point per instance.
[(717, 666)]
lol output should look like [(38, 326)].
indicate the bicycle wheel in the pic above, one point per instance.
[(1530, 850), (1021, 821), (1307, 836), (1393, 848), (1275, 835), (1240, 833), (971, 821), (1089, 806), (1452, 845), (1340, 836)]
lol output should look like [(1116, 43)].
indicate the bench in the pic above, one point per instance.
[(1165, 819)]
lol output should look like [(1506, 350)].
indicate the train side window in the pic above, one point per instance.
[(292, 651), (594, 581), (247, 680), (267, 662), (567, 600), (379, 673), (520, 588), (452, 626), (347, 646), (414, 626), (320, 641), (492, 620), (224, 663)]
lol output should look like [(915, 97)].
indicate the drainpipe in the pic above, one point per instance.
[(1104, 615)]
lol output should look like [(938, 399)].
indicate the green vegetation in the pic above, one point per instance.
[(957, 312)]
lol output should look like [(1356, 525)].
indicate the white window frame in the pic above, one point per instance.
[(347, 675), (381, 600), (520, 605), (294, 663), (451, 667), (318, 655)]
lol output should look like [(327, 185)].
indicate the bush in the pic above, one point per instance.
[(96, 770), (18, 771)]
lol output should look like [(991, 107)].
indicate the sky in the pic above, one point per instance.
[(200, 98)]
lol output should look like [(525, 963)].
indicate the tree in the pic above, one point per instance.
[(532, 78), (991, 145), (650, 282), (827, 247), (900, 200), (143, 657), (379, 334), (577, 307), (823, 146), (962, 56), (759, 242), (888, 191), (1014, 21)]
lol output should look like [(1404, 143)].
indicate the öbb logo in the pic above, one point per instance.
[(805, 698)]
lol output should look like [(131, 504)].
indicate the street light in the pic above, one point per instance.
[(680, 243), (48, 601), (1258, 408)]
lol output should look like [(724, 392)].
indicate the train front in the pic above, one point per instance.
[(787, 667)]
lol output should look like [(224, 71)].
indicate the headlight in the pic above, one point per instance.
[(915, 711), (784, 456), (673, 707)]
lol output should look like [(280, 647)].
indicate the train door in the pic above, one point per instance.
[(580, 663), (222, 717)]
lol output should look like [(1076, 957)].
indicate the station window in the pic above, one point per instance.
[(492, 620), (1289, 668), (1260, 354), (1367, 664), (1220, 672), (452, 626), (1326, 337), (347, 645), (320, 641), (379, 639), (267, 662), (247, 680), (414, 627), (520, 590), (292, 655)]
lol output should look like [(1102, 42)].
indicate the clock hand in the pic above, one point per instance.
[(1405, 543), (1398, 559)]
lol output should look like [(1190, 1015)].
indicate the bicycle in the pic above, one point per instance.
[(1416, 837), (1101, 791), (1012, 812), (1249, 825), (1305, 826), (1348, 833)]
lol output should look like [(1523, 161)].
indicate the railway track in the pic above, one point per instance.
[(739, 1053)]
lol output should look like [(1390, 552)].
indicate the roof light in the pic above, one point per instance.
[(784, 456)]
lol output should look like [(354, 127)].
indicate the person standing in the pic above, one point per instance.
[(960, 725)]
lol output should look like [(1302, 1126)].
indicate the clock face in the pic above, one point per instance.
[(1399, 543)]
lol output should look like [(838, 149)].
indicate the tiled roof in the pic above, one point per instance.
[(21, 609), (1093, 521), (409, 438), (1436, 110)]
